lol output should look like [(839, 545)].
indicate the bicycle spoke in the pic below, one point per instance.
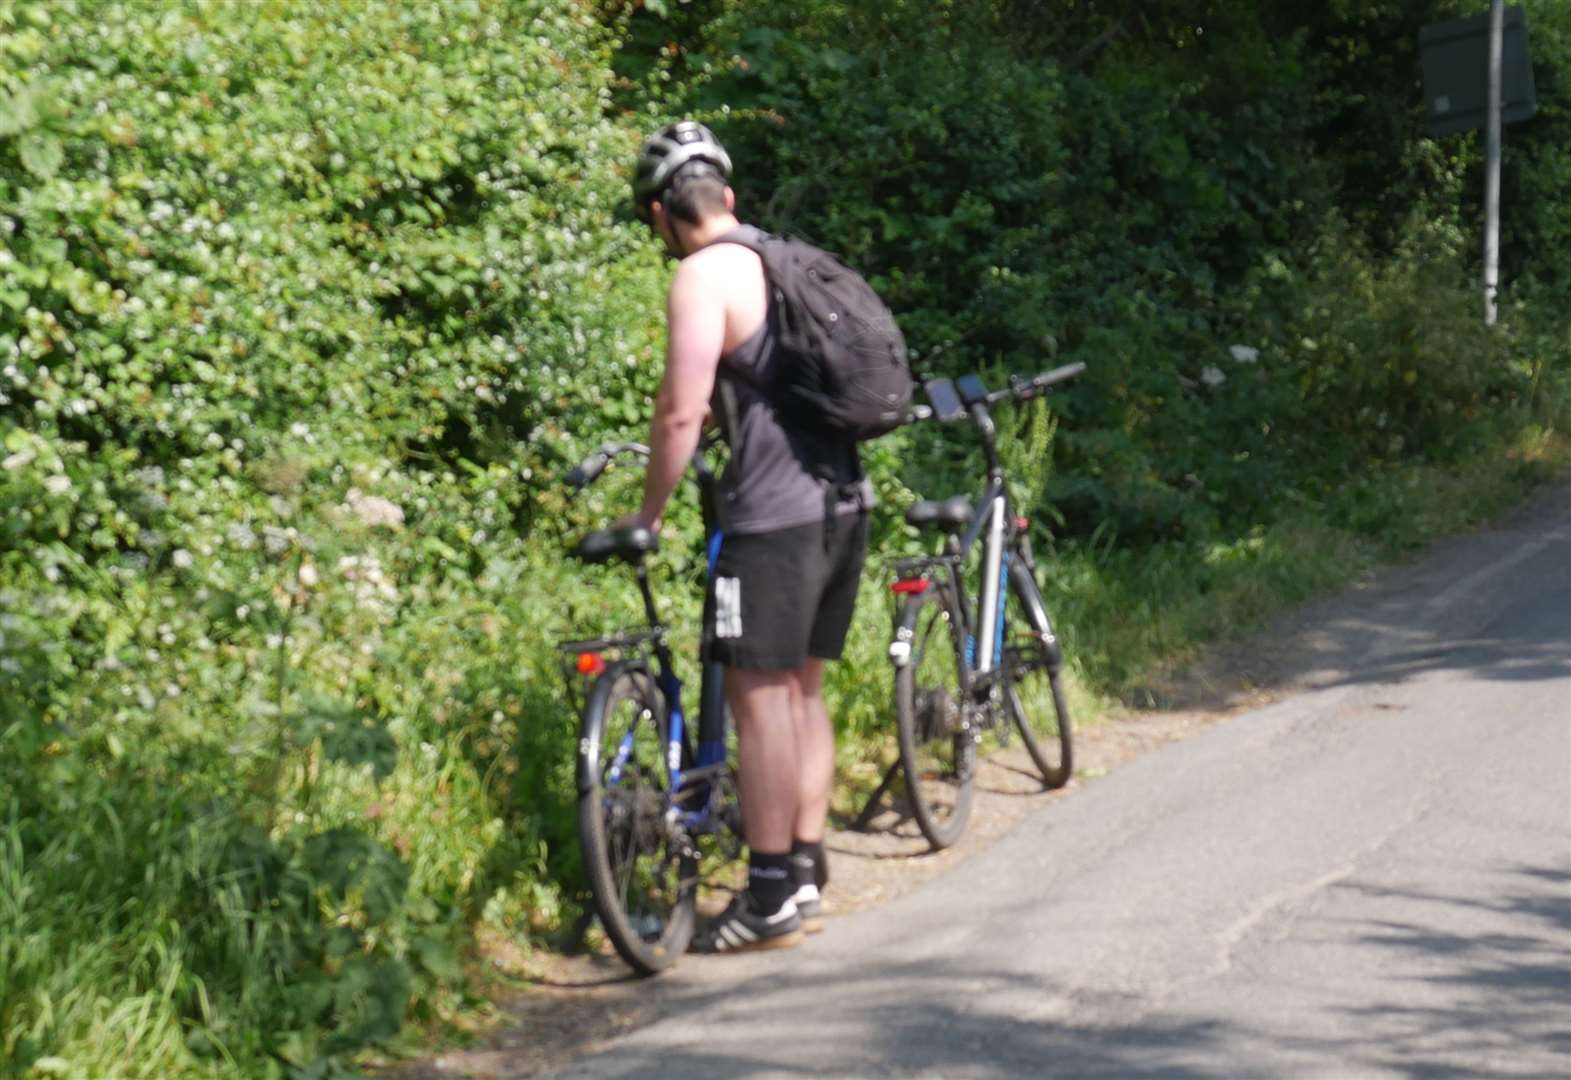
[(936, 742), (1033, 690), (638, 885)]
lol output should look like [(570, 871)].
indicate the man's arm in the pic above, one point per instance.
[(695, 336)]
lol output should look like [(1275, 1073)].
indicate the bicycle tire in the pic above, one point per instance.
[(643, 884), (937, 750), (1033, 687)]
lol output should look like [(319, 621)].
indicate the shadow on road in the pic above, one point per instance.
[(1455, 610), (1507, 998)]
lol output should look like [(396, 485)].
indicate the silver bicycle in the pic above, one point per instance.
[(970, 661)]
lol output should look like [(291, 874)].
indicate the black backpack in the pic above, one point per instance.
[(842, 361)]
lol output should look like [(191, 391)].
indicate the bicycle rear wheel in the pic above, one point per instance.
[(641, 872), (1032, 687), (937, 749)]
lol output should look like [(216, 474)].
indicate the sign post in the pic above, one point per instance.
[(1497, 18), (1477, 73)]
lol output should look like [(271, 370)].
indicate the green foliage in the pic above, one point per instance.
[(304, 309), (299, 307), (1147, 192)]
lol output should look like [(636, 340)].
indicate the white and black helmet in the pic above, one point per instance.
[(666, 152)]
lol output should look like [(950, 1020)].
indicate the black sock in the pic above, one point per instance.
[(808, 864), (769, 880)]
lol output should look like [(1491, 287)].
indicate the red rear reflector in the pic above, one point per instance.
[(590, 663), (1022, 523), (910, 585)]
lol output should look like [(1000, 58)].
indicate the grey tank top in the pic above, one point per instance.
[(777, 477)]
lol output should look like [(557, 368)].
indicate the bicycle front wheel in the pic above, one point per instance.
[(937, 748), (641, 872), (1032, 686)]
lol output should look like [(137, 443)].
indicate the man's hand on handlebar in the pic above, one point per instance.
[(636, 520)]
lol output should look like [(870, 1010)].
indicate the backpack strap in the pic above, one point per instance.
[(755, 239), (749, 236)]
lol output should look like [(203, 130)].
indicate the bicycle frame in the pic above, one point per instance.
[(690, 773), (997, 528)]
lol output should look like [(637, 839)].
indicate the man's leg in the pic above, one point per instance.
[(815, 745), (846, 548), (765, 915), (767, 755)]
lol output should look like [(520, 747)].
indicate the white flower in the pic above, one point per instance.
[(299, 431), (1212, 376), (18, 459), (1244, 354), (374, 510), (275, 540), (308, 575), (58, 484), (181, 558), (371, 589)]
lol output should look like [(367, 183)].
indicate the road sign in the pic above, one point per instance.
[(1455, 58)]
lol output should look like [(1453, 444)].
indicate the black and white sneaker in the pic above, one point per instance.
[(810, 906), (742, 927)]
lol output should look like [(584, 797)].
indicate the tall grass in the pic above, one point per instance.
[(1129, 614)]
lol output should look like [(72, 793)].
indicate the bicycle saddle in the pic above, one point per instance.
[(951, 515), (631, 542)]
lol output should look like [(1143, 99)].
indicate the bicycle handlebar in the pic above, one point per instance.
[(1026, 389), (953, 399), (588, 471)]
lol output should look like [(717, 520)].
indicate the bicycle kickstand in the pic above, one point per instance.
[(870, 808)]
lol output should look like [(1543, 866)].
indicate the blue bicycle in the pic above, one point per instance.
[(652, 800)]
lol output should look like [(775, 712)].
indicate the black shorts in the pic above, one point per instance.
[(777, 598)]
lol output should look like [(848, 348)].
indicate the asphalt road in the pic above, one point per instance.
[(1371, 877)]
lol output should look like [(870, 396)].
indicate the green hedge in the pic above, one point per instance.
[(1205, 180), (305, 308), (299, 308)]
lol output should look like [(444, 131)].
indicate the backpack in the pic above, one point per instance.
[(841, 360)]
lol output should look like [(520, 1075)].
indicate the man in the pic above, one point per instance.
[(793, 508)]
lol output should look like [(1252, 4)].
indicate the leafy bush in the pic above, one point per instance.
[(303, 309), (299, 307), (1030, 188)]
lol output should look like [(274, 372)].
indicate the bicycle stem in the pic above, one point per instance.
[(984, 424)]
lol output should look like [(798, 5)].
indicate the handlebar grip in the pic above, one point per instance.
[(1024, 390), (584, 473), (1058, 375)]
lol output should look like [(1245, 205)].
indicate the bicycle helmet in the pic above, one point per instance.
[(669, 150)]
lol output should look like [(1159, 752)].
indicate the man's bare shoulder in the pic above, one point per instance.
[(721, 264)]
